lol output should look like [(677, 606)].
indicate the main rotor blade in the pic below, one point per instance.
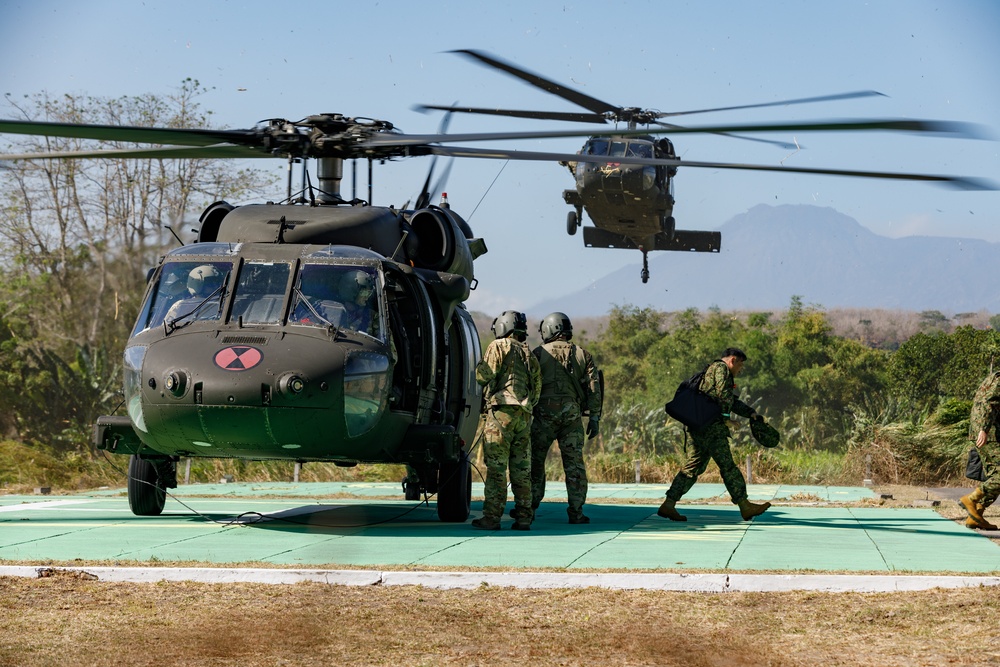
[(576, 97), (569, 116), (932, 127), (141, 135), (781, 103), (168, 152), (955, 182)]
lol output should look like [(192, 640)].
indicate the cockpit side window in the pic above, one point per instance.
[(640, 149), (260, 292), (191, 290), (346, 297), (597, 147)]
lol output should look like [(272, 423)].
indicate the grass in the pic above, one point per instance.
[(71, 621)]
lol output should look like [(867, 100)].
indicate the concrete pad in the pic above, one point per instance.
[(370, 533)]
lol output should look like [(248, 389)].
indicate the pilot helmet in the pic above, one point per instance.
[(509, 321), (555, 324), (203, 280), (357, 286)]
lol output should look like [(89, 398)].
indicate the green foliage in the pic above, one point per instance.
[(929, 368), (77, 239)]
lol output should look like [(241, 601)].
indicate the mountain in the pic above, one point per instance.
[(771, 253)]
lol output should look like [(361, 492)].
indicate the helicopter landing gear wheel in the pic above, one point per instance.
[(572, 222), (454, 495), (645, 268), (146, 494)]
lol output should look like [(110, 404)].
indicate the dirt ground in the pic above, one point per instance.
[(65, 620)]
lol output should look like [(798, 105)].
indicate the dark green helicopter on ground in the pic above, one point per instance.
[(320, 329), (625, 181)]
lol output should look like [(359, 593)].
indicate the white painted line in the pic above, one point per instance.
[(42, 505), (208, 575), (715, 583), (707, 583), (836, 583)]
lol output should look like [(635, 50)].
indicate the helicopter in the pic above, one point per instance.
[(628, 191), (318, 328)]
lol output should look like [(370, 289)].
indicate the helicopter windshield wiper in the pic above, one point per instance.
[(185, 319), (304, 299)]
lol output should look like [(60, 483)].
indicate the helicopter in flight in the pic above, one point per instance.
[(317, 328), (625, 182)]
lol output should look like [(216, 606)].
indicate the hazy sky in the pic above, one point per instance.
[(376, 59)]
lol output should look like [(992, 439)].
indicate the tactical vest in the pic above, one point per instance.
[(563, 370)]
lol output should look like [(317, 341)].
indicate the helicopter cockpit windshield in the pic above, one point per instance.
[(188, 291), (344, 297), (319, 290)]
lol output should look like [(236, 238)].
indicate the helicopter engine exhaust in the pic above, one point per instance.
[(438, 231)]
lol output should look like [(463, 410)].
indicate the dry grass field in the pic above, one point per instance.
[(69, 621)]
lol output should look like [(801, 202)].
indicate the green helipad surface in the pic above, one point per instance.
[(240, 523)]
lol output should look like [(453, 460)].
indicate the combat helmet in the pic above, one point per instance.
[(509, 321), (555, 324), (356, 285), (203, 280)]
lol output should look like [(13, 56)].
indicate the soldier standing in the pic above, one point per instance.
[(570, 386), (712, 441), (984, 424), (511, 383)]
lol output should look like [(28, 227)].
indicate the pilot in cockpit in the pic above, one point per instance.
[(356, 291), (203, 282), (329, 296)]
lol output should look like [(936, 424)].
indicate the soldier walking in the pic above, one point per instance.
[(984, 424), (570, 386), (712, 441), (511, 383)]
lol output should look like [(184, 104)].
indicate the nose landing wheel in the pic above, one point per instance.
[(572, 222)]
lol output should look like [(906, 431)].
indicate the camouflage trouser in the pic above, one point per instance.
[(563, 423), (712, 442), (990, 455), (506, 433)]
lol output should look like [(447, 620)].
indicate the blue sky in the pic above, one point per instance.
[(261, 60)]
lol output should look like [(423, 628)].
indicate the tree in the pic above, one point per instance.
[(78, 237)]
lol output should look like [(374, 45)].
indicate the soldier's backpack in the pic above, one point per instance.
[(691, 406)]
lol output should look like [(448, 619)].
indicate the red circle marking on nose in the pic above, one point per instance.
[(238, 358)]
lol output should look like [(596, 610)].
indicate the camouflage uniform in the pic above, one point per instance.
[(511, 384), (712, 441), (570, 385), (985, 416)]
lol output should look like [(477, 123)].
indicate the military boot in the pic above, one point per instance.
[(749, 510), (972, 524), (668, 511), (973, 506), (485, 523)]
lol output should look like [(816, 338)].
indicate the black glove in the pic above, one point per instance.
[(593, 424)]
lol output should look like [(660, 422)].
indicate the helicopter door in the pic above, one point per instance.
[(464, 392), (415, 339)]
